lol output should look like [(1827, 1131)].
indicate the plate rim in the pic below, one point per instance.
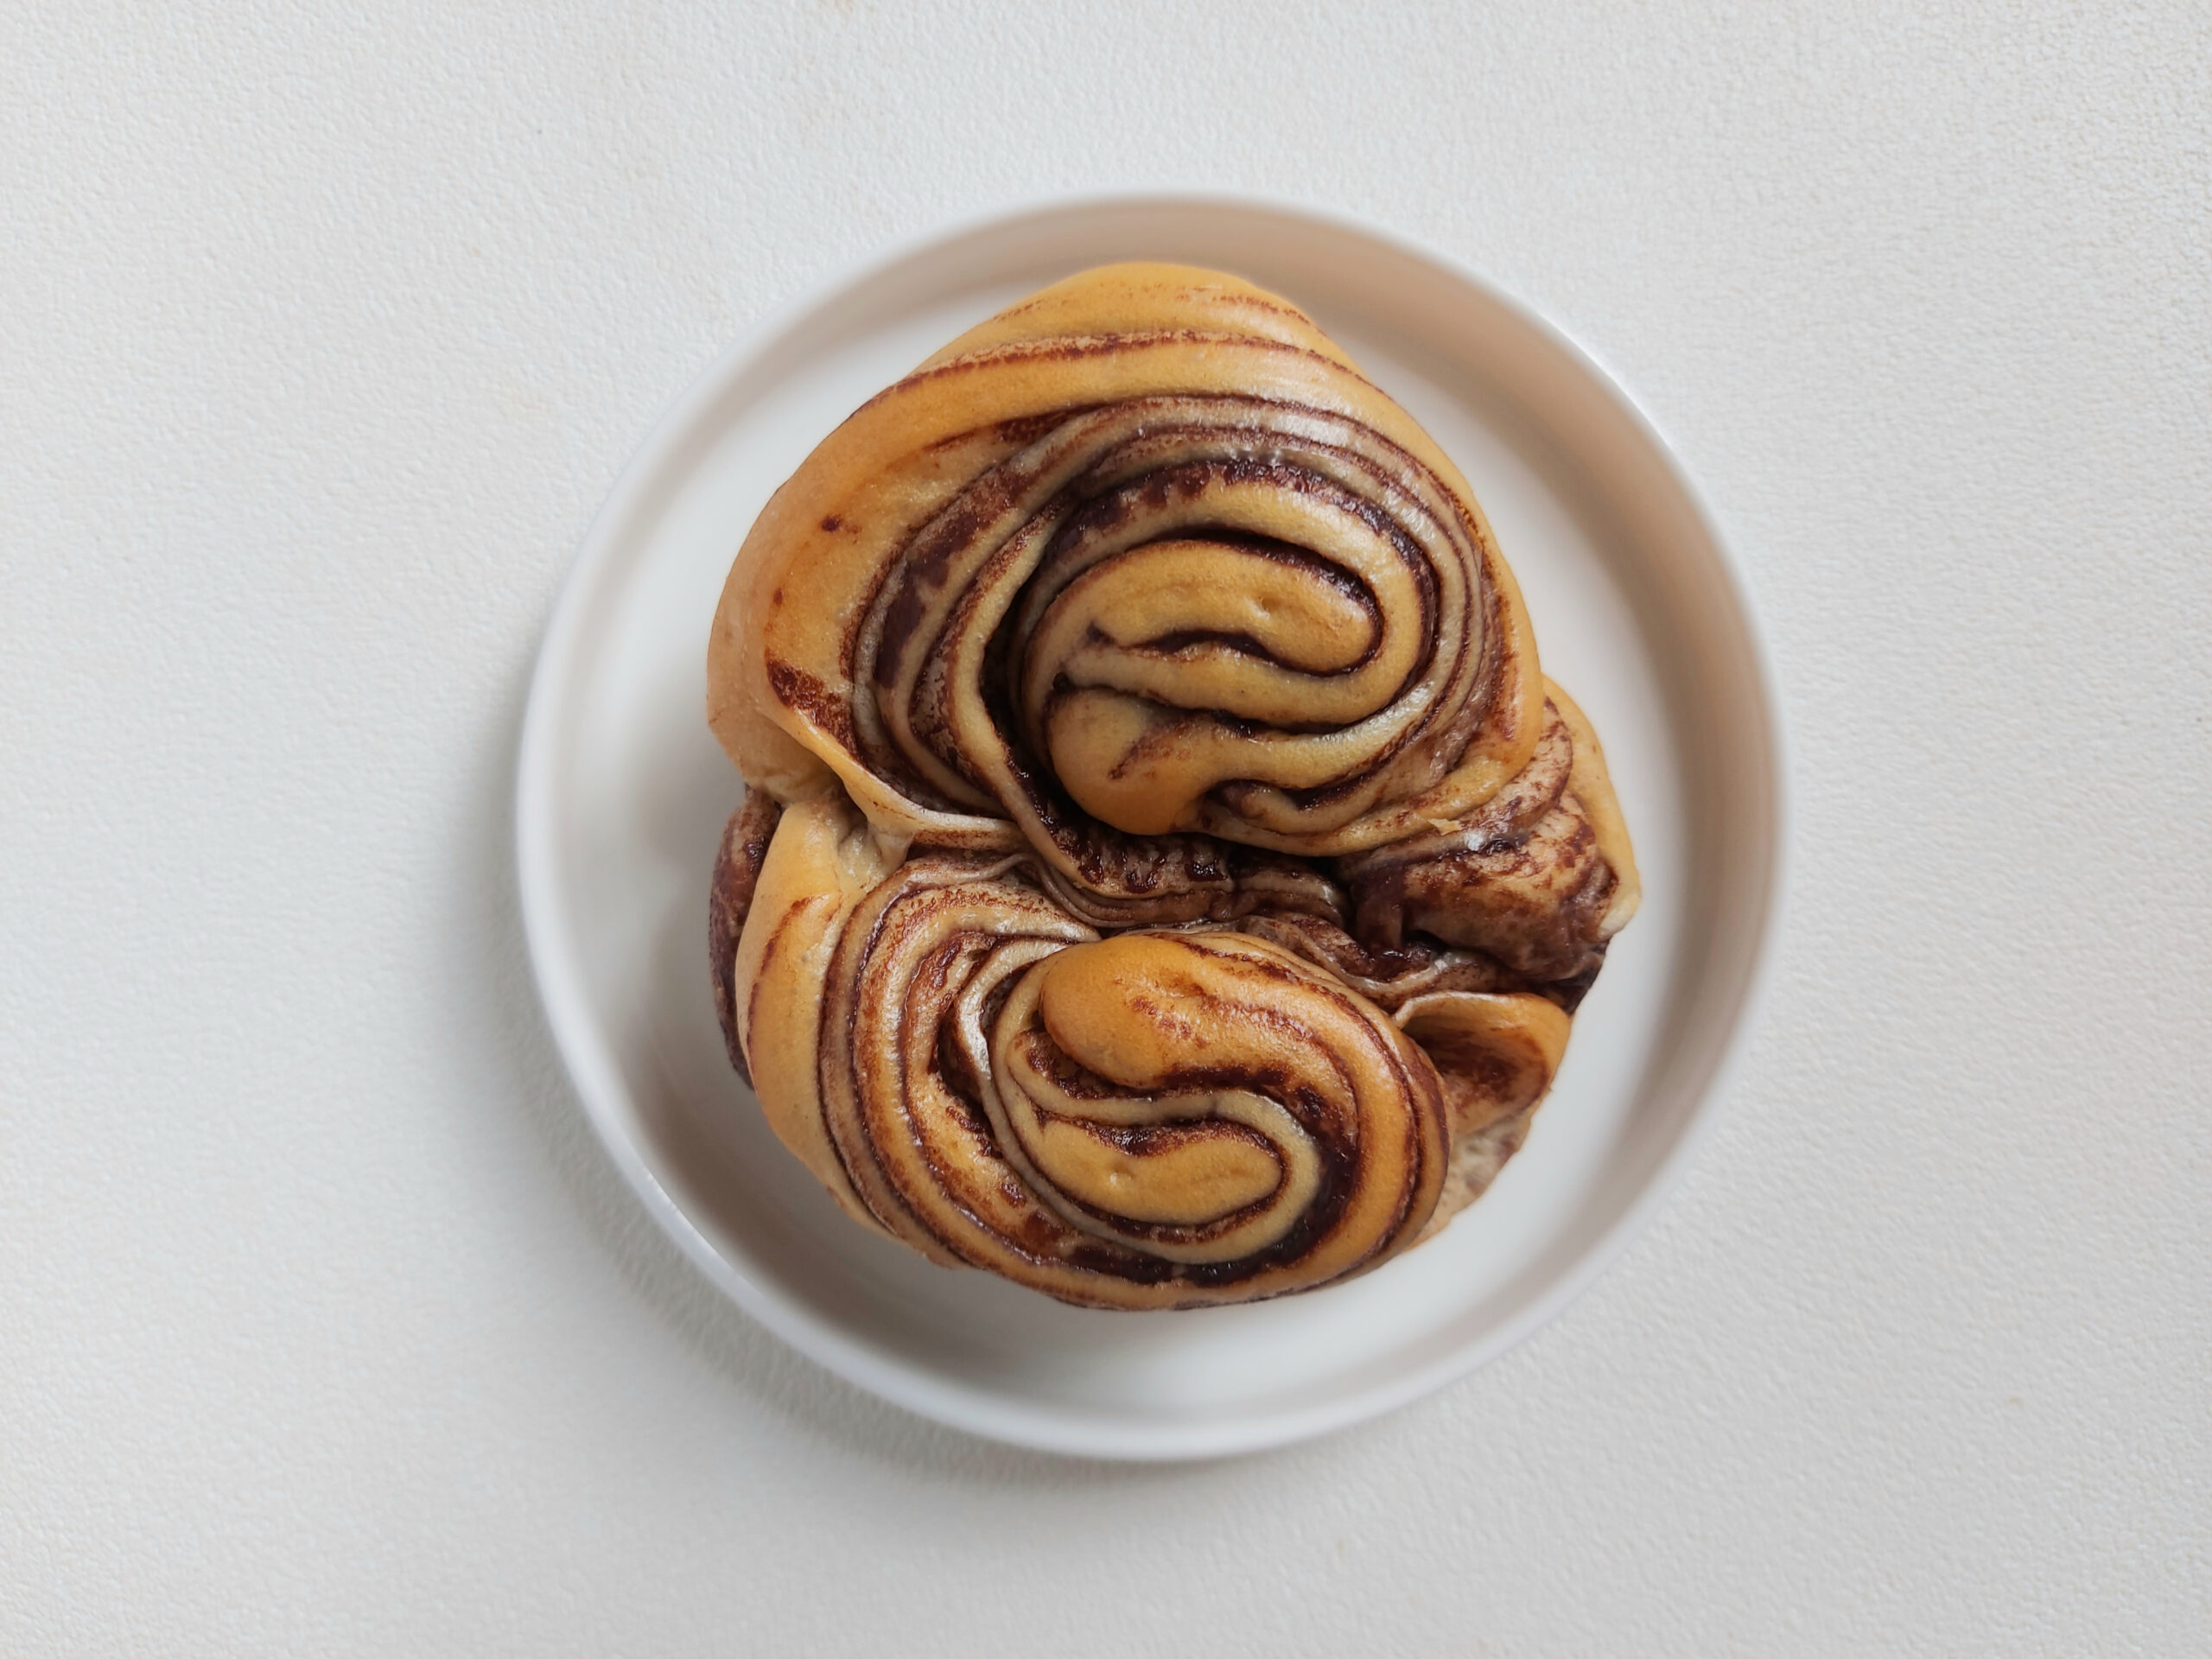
[(595, 1076)]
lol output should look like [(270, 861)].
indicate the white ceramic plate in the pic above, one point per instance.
[(623, 793)]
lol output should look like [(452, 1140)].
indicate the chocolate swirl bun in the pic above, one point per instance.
[(1168, 873)]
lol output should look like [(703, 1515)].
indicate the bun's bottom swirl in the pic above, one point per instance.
[(1165, 1117)]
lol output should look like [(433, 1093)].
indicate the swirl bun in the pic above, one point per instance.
[(1168, 873)]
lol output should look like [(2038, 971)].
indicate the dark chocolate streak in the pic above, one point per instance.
[(744, 848), (796, 689), (1067, 351)]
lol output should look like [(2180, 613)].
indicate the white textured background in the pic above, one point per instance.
[(324, 1326)]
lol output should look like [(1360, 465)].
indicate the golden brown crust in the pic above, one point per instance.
[(1185, 872)]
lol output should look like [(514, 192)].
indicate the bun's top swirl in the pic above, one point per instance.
[(1143, 555), (1135, 615)]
